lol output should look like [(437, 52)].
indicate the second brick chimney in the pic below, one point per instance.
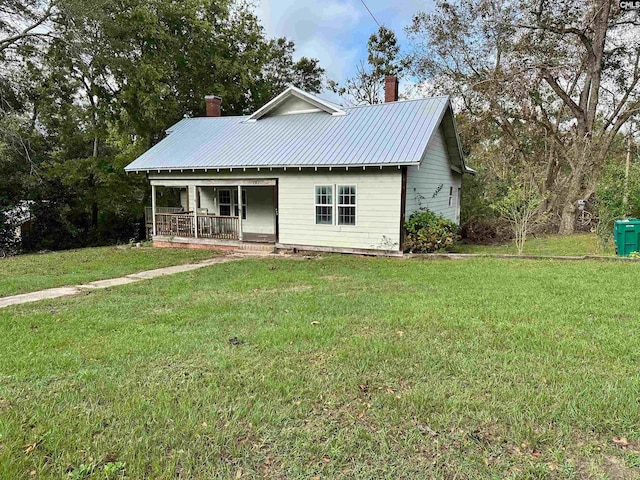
[(213, 105), (390, 88)]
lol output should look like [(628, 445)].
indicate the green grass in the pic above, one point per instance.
[(554, 245), (28, 273), (348, 368)]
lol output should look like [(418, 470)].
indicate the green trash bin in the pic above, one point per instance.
[(626, 235)]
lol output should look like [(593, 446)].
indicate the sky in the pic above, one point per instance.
[(336, 31)]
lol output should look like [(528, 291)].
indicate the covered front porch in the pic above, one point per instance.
[(222, 212)]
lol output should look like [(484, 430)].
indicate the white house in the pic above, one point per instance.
[(305, 173)]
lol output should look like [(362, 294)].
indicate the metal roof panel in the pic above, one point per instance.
[(386, 134)]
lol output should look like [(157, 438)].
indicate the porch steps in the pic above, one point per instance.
[(256, 248)]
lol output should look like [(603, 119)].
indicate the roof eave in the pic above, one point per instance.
[(264, 167), (465, 169)]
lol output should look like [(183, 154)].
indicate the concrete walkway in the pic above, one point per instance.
[(113, 282)]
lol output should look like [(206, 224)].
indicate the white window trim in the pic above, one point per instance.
[(221, 204), (338, 205), (452, 202), (233, 194), (332, 205)]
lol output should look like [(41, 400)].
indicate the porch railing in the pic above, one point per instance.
[(148, 212), (209, 226), (175, 224), (215, 226)]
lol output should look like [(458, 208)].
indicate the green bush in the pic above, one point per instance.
[(429, 232), (609, 199)]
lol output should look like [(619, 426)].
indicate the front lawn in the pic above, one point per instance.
[(341, 367), (555, 245), (28, 273)]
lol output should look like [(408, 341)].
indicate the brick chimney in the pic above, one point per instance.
[(213, 105), (390, 88)]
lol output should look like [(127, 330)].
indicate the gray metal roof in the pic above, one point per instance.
[(387, 134)]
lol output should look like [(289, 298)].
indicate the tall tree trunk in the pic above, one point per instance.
[(627, 169), (568, 218)]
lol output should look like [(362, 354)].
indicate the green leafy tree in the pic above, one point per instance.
[(558, 79), (383, 58), (610, 202), (521, 208), (104, 82)]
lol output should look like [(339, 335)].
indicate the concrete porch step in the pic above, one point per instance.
[(256, 248)]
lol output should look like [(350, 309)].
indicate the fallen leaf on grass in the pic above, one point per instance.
[(621, 441), (326, 459), (30, 447)]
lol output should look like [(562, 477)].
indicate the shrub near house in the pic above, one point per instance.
[(428, 232)]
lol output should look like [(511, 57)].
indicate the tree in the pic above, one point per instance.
[(280, 70), (383, 58), (97, 82), (559, 80), (24, 20), (520, 207)]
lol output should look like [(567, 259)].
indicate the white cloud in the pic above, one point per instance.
[(319, 30)]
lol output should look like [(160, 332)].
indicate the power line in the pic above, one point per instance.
[(370, 13)]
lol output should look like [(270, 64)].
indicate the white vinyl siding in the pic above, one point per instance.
[(261, 216), (208, 200), (430, 185), (378, 209), (292, 105), (378, 204)]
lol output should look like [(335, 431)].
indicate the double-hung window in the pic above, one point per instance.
[(324, 205), (229, 203), (225, 201), (343, 202), (346, 205)]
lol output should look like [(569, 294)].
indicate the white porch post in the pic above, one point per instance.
[(153, 210), (195, 210), (240, 212)]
